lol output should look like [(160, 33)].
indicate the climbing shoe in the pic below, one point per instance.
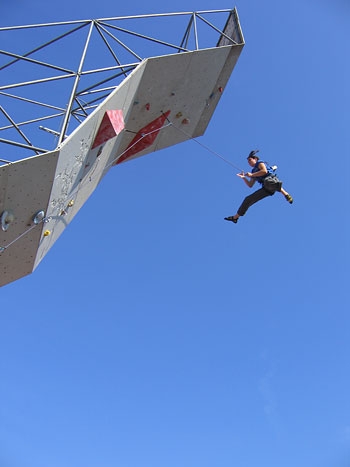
[(232, 219), (289, 199)]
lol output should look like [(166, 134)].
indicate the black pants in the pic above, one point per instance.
[(252, 199)]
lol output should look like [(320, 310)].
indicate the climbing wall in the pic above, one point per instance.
[(165, 101)]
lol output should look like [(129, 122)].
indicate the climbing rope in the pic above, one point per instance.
[(181, 131), (73, 193), (208, 149), (162, 127), (3, 248), (203, 145), (137, 141)]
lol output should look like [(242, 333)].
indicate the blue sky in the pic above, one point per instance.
[(163, 336)]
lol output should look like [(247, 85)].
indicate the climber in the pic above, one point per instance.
[(266, 176)]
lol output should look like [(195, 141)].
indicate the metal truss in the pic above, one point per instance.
[(54, 75)]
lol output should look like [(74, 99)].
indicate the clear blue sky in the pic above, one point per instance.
[(163, 336)]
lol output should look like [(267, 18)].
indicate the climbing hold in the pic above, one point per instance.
[(38, 217), (47, 233), (185, 121), (178, 115), (71, 203), (6, 218), (148, 106), (220, 89)]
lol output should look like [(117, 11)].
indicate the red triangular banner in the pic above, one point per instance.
[(112, 124), (144, 137)]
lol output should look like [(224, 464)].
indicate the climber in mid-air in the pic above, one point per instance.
[(266, 176)]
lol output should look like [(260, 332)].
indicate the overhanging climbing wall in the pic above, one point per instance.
[(164, 101)]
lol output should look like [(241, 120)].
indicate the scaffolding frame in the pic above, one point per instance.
[(84, 95)]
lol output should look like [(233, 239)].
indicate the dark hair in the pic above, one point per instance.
[(253, 154)]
